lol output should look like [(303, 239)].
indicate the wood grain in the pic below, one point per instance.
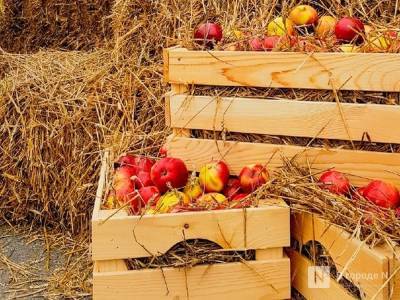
[(299, 268), (345, 71), (286, 117), (130, 236), (368, 267), (101, 185), (116, 265), (361, 166), (251, 280)]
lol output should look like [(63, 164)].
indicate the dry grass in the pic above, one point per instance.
[(299, 187), (29, 25)]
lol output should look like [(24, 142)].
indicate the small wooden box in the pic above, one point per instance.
[(117, 236), (374, 271)]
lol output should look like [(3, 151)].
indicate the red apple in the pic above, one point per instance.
[(142, 179), (358, 193), (271, 42), (214, 176), (168, 173), (349, 29), (124, 173), (252, 177), (335, 182), (149, 195), (239, 201), (128, 159), (232, 188), (143, 163), (303, 15), (163, 152), (382, 194), (256, 44), (208, 33)]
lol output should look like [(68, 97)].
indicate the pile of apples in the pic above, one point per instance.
[(165, 186), (378, 192), (348, 34)]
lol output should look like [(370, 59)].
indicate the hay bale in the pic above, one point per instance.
[(29, 25), (58, 110)]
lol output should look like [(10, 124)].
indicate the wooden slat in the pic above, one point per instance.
[(360, 165), (250, 280), (287, 117), (347, 71), (117, 265), (368, 267), (131, 237), (299, 268)]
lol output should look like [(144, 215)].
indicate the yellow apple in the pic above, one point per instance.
[(280, 27), (171, 199), (193, 189), (212, 201)]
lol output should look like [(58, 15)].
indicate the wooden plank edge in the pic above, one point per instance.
[(299, 269), (101, 184)]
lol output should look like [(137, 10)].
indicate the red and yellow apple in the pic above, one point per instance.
[(256, 44), (168, 201), (168, 173), (212, 201), (303, 15), (252, 177), (271, 42), (280, 27), (193, 188), (335, 182), (326, 26), (214, 176), (124, 173)]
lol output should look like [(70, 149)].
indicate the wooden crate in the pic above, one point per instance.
[(374, 271), (117, 236), (284, 117)]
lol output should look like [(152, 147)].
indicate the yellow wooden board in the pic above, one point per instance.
[(250, 280), (286, 117), (300, 281), (132, 236), (360, 165), (346, 71)]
